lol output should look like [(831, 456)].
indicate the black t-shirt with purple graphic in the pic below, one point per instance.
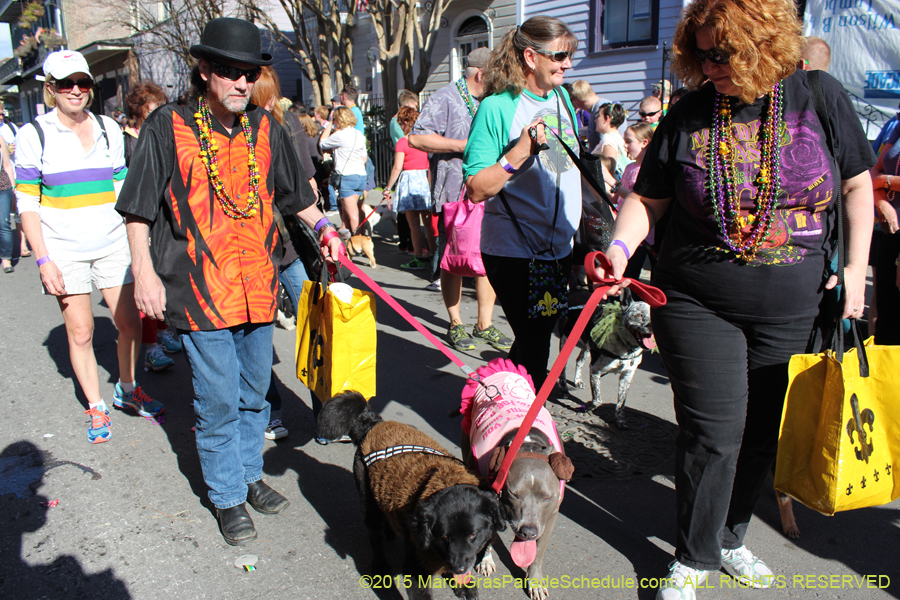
[(784, 280)]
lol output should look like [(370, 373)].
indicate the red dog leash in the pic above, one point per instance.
[(359, 227), (651, 295), (345, 260)]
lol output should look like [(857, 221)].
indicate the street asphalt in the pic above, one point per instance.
[(133, 519)]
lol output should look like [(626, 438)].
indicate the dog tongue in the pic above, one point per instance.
[(523, 552), (649, 342), (462, 579)]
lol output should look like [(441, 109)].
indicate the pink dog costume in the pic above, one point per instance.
[(492, 410)]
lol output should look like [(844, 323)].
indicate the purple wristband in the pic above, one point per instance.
[(42, 260), (506, 166), (323, 222), (621, 245)]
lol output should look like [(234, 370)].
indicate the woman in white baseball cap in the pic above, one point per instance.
[(69, 168)]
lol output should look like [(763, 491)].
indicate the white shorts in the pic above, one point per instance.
[(109, 271)]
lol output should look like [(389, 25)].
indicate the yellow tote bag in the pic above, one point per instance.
[(336, 341), (839, 447)]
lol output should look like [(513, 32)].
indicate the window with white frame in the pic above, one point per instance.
[(472, 33), (624, 24)]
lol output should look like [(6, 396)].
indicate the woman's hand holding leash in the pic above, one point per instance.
[(618, 261)]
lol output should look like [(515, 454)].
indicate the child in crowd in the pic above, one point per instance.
[(637, 138), (609, 118), (410, 173)]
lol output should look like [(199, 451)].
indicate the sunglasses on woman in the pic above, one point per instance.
[(85, 84), (720, 57), (560, 56), (234, 73)]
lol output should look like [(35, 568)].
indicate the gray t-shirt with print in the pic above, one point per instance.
[(445, 114)]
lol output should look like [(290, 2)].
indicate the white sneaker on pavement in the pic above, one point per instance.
[(741, 564), (434, 286), (681, 582)]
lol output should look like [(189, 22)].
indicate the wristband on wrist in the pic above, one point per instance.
[(621, 245), (323, 222), (329, 235), (42, 260), (506, 166)]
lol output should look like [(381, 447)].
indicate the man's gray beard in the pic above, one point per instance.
[(234, 104)]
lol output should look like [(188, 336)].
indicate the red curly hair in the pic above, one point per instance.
[(763, 38)]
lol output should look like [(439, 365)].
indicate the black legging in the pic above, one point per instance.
[(509, 278), (729, 378)]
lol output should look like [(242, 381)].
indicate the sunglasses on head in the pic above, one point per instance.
[(85, 84), (720, 57), (234, 73), (648, 114), (560, 56)]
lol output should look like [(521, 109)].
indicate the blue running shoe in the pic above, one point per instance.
[(168, 342), (157, 360), (142, 404), (99, 431)]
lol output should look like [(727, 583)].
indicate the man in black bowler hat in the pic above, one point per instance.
[(205, 176)]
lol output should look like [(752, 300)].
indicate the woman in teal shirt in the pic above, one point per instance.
[(531, 187)]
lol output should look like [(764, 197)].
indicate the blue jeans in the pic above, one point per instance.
[(332, 199), (6, 234), (230, 372), (292, 278), (370, 174)]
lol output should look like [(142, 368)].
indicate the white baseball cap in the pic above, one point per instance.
[(63, 63)]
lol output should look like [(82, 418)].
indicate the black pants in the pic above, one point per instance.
[(531, 348), (729, 378), (887, 295)]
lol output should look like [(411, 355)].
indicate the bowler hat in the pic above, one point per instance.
[(232, 39)]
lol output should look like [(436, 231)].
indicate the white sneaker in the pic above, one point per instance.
[(434, 286), (741, 564), (681, 583)]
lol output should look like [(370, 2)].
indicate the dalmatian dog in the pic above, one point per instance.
[(625, 335)]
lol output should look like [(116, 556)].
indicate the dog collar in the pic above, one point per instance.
[(390, 451)]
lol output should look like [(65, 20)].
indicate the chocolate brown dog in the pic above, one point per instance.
[(405, 479)]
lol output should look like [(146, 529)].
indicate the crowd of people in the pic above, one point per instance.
[(737, 232)]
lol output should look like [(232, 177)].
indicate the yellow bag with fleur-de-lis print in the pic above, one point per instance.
[(336, 339), (839, 447)]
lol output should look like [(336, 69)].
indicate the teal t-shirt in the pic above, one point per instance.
[(531, 191), (359, 119)]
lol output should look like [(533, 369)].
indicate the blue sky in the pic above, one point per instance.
[(5, 45)]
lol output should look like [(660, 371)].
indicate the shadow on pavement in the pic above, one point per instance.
[(331, 492), (24, 513)]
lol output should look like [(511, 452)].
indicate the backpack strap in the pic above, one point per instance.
[(40, 133)]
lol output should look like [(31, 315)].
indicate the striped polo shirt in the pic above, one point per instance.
[(73, 191)]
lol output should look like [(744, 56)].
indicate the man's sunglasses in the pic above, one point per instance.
[(720, 57), (648, 114), (85, 84), (233, 73), (560, 56)]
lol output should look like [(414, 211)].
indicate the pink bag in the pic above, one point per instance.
[(462, 225)]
